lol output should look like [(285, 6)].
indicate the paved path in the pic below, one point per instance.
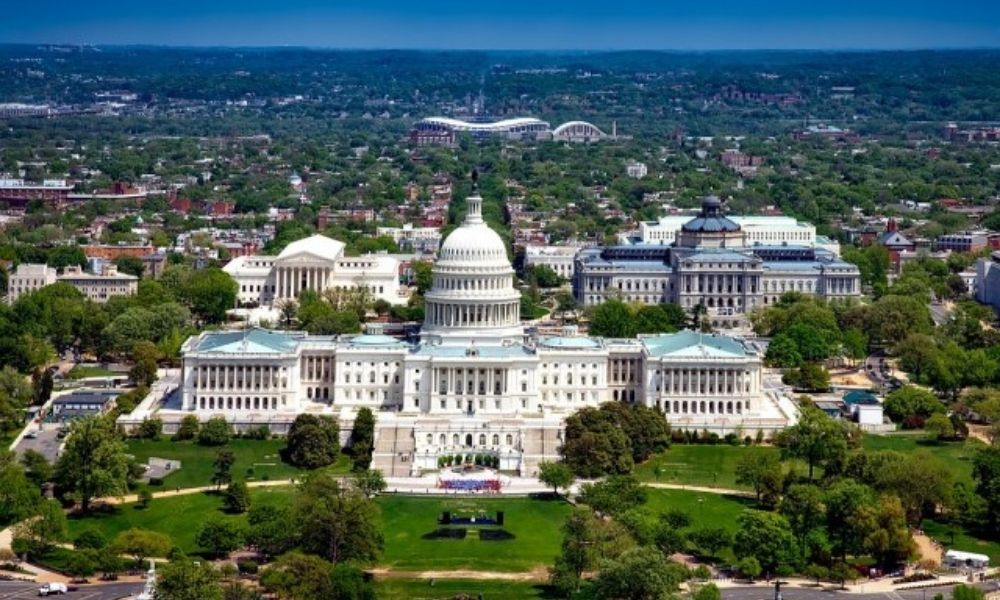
[(699, 488)]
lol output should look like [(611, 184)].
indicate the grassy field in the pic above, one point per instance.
[(956, 455), (180, 517), (696, 464), (411, 589), (535, 525), (256, 460), (705, 509), (942, 532), (81, 372)]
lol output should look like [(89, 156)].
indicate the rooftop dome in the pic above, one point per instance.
[(474, 242), (711, 218)]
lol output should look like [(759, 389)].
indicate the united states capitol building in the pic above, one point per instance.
[(474, 381)]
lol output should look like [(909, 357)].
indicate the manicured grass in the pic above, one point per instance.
[(82, 372), (179, 517), (696, 464), (706, 509), (262, 456), (956, 455), (964, 540), (446, 589), (534, 523)]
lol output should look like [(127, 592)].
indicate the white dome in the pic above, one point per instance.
[(473, 295), (474, 243)]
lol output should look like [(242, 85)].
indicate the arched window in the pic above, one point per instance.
[(496, 439), (482, 439), (510, 440)]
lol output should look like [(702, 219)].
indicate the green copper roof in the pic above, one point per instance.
[(257, 341), (693, 344)]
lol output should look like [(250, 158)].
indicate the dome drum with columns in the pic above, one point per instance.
[(473, 298)]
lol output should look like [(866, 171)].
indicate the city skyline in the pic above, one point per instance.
[(491, 25)]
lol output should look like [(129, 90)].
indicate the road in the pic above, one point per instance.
[(20, 590), (873, 368), (763, 591)]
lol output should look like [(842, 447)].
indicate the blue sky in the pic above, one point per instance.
[(511, 24)]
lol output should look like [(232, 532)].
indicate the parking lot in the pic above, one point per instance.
[(19, 590), (47, 442)]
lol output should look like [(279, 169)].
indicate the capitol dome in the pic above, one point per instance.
[(472, 297)]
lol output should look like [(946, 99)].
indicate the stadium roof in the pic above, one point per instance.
[(492, 126)]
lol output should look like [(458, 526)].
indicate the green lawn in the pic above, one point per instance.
[(446, 589), (180, 517), (82, 372), (696, 464), (262, 456), (706, 509), (956, 455), (942, 532), (535, 525)]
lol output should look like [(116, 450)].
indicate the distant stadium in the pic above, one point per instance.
[(444, 130)]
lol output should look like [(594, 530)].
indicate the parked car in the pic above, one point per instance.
[(33, 434), (50, 589)]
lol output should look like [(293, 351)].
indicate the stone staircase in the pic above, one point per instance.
[(394, 446)]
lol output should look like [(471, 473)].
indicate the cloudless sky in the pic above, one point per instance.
[(511, 24)]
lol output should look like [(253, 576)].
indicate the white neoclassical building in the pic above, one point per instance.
[(315, 263), (473, 381)]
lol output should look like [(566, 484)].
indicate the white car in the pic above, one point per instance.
[(50, 589)]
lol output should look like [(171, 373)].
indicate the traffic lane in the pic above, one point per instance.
[(21, 590)]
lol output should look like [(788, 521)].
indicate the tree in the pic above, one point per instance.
[(556, 475), (783, 352), (188, 428), (89, 539), (237, 498), (38, 533), (19, 497), (15, 393), (967, 592), (709, 591), (363, 438), (750, 567), (614, 495), (543, 276), (710, 540), (595, 445), (803, 506), (817, 572), (150, 429), (141, 543), (185, 579), (41, 380), (93, 462), (145, 497), (767, 537), (131, 265), (816, 439), (612, 319), (586, 541), (938, 427), (850, 516), (639, 574), (911, 401), (369, 482), (215, 432), (761, 469), (144, 357), (986, 473), (269, 531), (843, 573), (210, 293), (889, 543), (312, 442), (220, 537), (337, 523), (296, 575), (809, 376), (81, 565), (224, 460)]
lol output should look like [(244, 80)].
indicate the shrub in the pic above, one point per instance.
[(150, 429), (89, 539), (188, 429), (216, 432), (258, 433), (247, 567)]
